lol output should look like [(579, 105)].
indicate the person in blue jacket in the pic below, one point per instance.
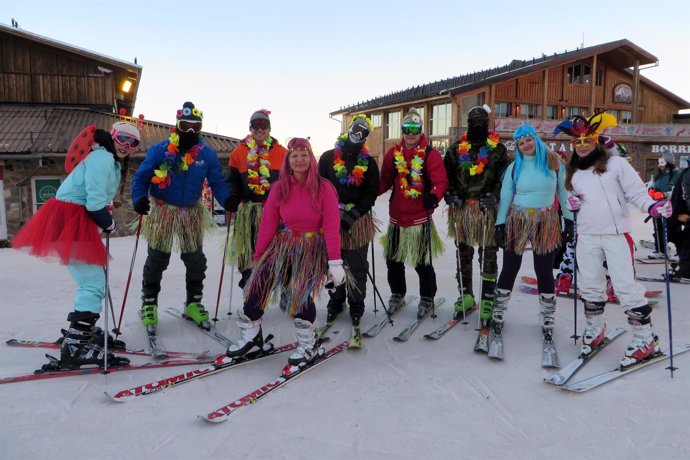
[(67, 229), (167, 190)]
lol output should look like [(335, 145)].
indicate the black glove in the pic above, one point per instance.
[(231, 203), (488, 201), (103, 219), (347, 219), (568, 231), (430, 201), (452, 198), (500, 235), (142, 206), (111, 228)]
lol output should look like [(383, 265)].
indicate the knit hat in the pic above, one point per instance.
[(261, 114), (189, 112), (668, 158), (411, 117), (128, 128)]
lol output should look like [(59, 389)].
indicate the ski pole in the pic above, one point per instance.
[(485, 224), (428, 239), (458, 271), (228, 218), (664, 223), (376, 290), (107, 289), (116, 330), (574, 243), (373, 275)]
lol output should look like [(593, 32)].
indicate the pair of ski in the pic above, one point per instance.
[(407, 332), (563, 376), (355, 341)]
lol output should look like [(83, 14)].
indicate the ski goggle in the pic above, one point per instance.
[(259, 125), (411, 128), (189, 126), (358, 134), (125, 139)]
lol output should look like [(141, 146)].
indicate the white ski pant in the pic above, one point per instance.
[(618, 252)]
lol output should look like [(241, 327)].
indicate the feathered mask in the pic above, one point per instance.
[(578, 126)]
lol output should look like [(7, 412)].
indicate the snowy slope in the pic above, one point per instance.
[(391, 400)]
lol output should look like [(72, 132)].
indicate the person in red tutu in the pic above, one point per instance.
[(67, 229)]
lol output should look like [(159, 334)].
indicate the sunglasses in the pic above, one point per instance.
[(413, 128), (583, 141), (187, 126), (257, 126), (125, 139)]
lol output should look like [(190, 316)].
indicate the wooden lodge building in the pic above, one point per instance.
[(49, 92), (544, 91)]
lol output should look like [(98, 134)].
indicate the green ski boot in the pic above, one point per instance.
[(149, 315), (196, 312), (464, 303)]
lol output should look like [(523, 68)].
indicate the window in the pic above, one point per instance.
[(552, 112), (626, 116), (503, 109), (376, 120), (441, 118), (530, 111), (614, 113), (393, 125), (441, 145), (582, 74), (571, 111), (597, 78), (587, 74)]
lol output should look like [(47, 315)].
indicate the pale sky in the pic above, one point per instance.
[(305, 59)]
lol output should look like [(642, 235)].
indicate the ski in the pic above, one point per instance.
[(42, 375), (531, 281), (660, 279), (450, 324), (156, 348), (559, 378), (324, 328), (597, 380), (406, 333), (549, 355), (355, 337), (482, 343), (376, 328), (126, 351), (289, 373), (214, 334), (221, 363)]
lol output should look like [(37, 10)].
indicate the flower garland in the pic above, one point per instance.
[(172, 162), (464, 159), (357, 175), (258, 166), (415, 187)]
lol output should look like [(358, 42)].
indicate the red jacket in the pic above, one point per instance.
[(407, 212)]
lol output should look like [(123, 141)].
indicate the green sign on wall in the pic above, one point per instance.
[(45, 188)]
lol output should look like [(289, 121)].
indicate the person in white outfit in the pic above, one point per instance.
[(601, 187)]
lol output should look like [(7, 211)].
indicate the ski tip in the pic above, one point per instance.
[(213, 417), (115, 398)]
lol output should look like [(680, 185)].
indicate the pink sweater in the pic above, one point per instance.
[(298, 214)]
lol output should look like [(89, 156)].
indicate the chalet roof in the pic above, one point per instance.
[(621, 53), (50, 130)]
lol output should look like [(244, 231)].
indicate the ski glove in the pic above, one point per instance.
[(142, 206), (500, 235), (336, 274), (488, 201), (661, 208), (568, 230), (574, 203), (111, 228), (231, 203), (103, 219), (430, 201), (453, 199)]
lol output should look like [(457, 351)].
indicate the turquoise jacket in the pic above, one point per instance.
[(94, 181)]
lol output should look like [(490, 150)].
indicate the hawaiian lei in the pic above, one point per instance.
[(258, 171), (357, 175), (173, 163), (414, 189), (464, 159)]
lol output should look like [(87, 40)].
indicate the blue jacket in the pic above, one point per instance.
[(186, 186), (93, 182)]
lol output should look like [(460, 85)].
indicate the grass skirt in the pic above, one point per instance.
[(362, 232), (296, 263), (540, 226), (466, 224), (64, 232), (410, 244), (245, 230), (169, 227)]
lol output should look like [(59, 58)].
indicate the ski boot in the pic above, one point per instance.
[(395, 302), (113, 344), (196, 312), (595, 329), (548, 310), (334, 308), (356, 312), (77, 348), (563, 283), (149, 313), (499, 309), (425, 307), (251, 336), (464, 303), (307, 349), (644, 344)]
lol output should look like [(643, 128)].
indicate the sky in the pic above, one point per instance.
[(304, 59)]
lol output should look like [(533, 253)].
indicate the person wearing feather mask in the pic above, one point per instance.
[(601, 186), (474, 165)]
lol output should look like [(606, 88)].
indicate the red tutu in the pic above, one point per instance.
[(62, 231)]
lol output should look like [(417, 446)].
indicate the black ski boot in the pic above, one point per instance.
[(113, 343), (356, 312), (77, 347), (334, 308)]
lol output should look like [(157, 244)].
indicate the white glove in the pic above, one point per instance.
[(336, 272), (574, 203)]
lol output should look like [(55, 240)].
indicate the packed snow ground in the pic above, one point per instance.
[(419, 399)]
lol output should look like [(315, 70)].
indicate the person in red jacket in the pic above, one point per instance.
[(254, 167), (414, 170)]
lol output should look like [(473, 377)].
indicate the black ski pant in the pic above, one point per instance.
[(356, 261), (489, 257), (157, 262), (543, 267)]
